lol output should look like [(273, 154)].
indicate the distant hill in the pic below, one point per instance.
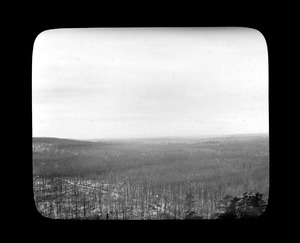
[(158, 140), (183, 139), (59, 141)]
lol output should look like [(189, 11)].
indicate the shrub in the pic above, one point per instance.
[(190, 204), (247, 206)]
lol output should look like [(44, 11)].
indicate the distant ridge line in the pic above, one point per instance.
[(179, 137), (167, 139)]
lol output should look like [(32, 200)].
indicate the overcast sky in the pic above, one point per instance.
[(149, 82)]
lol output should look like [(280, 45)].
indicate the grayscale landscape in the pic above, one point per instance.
[(147, 178), (150, 124)]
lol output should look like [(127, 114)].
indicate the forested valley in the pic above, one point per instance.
[(207, 178)]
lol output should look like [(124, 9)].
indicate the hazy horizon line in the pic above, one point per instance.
[(158, 137)]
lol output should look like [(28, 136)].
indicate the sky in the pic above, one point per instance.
[(93, 83)]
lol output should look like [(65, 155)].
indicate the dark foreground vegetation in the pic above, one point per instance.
[(151, 179)]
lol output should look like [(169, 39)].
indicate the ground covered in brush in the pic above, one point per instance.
[(147, 179)]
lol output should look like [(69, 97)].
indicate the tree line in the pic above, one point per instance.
[(76, 198)]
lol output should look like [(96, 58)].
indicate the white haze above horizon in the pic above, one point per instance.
[(149, 82)]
